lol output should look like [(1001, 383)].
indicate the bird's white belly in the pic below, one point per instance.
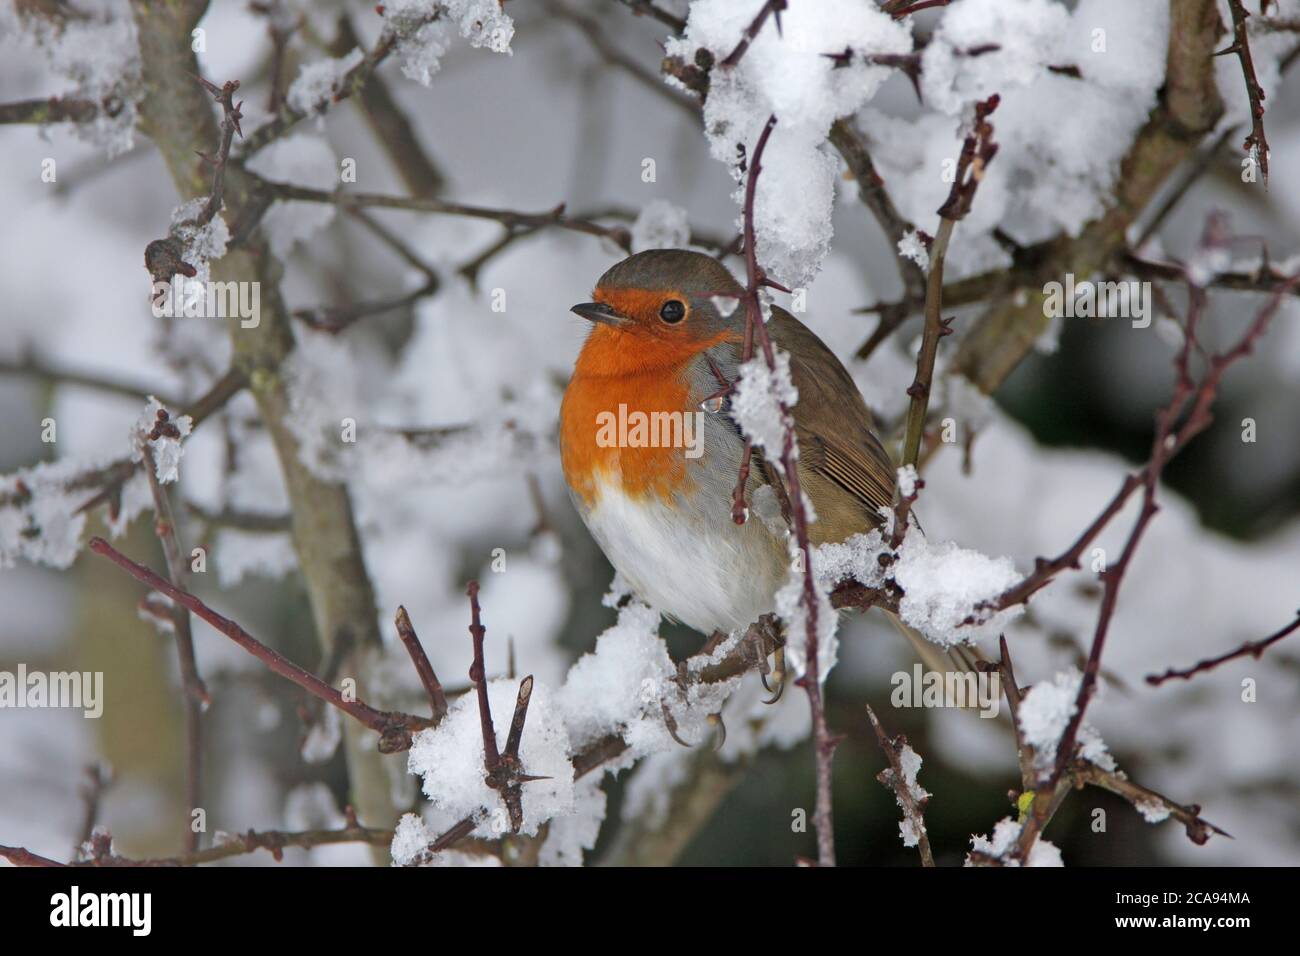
[(699, 568)]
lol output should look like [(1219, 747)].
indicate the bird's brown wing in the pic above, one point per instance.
[(842, 464)]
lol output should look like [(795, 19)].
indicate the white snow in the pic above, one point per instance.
[(788, 75), (912, 246), (909, 762), (943, 584), (320, 81), (756, 402), (450, 759), (907, 479), (43, 526), (423, 40), (1045, 712), (1003, 840), (166, 450), (99, 56)]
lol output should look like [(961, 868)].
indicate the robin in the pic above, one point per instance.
[(652, 457)]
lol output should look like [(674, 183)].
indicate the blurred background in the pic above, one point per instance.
[(565, 118)]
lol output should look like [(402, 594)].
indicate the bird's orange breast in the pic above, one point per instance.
[(619, 374)]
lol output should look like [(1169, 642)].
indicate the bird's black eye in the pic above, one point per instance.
[(672, 311)]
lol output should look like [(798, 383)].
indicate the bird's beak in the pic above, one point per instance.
[(599, 312)]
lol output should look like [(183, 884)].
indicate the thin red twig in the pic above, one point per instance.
[(1187, 415), (1253, 649), (1256, 143), (432, 686), (772, 8), (394, 728)]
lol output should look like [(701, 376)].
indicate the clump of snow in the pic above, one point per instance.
[(1044, 714), (1028, 36), (756, 403), (1049, 175), (412, 836), (99, 55), (907, 479), (617, 686), (854, 558), (1152, 811), (619, 591), (912, 246), (423, 34), (661, 225), (483, 23), (409, 840), (199, 244), (202, 242), (569, 836), (909, 762), (39, 521), (166, 449), (788, 75), (1003, 841), (319, 82), (943, 584), (450, 759)]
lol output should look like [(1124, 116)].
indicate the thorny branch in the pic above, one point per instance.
[(390, 124), (1253, 649), (978, 150), (1256, 143), (349, 84), (56, 110), (432, 686), (846, 595), (1187, 415), (772, 8), (394, 728), (895, 778), (902, 8), (196, 694), (273, 841), (230, 117), (756, 331), (110, 479), (1080, 773), (507, 217), (1193, 404)]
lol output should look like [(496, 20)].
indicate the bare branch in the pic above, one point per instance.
[(978, 150), (1253, 649), (507, 217), (394, 728), (1256, 143), (432, 686), (895, 778)]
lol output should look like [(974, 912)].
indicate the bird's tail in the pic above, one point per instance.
[(961, 658)]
